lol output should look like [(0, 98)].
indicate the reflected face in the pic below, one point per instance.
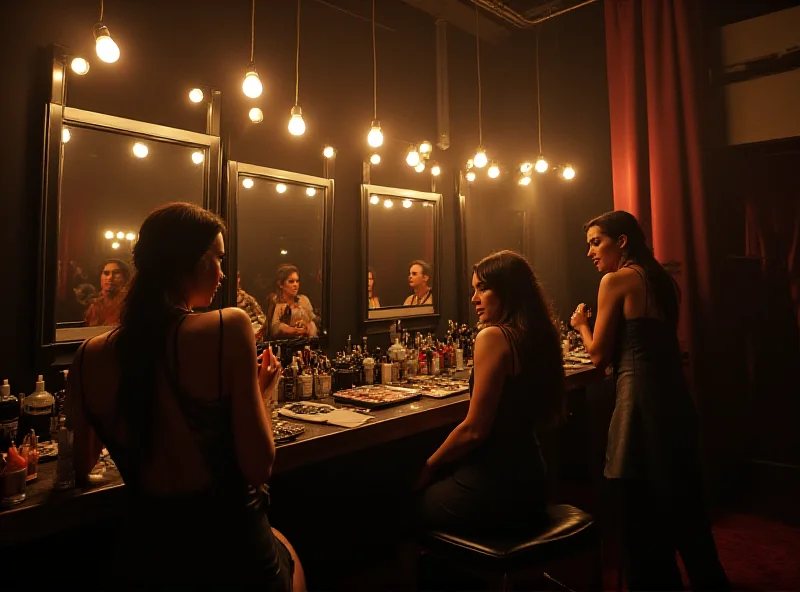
[(370, 282), (415, 278), (291, 285), (112, 278), (487, 304), (605, 252), (210, 274)]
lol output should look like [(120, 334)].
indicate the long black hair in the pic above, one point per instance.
[(664, 289), (172, 242), (526, 314)]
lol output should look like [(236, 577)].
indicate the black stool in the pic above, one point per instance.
[(499, 560)]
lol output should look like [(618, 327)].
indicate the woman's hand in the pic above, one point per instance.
[(425, 477), (269, 371), (580, 316)]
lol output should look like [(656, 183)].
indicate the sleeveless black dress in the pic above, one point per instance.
[(219, 536), (500, 485)]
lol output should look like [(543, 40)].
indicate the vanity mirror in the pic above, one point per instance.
[(282, 253), (400, 246)]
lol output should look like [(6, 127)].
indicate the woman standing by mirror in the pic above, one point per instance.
[(373, 301), (291, 314)]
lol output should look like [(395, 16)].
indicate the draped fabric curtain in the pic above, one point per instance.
[(654, 75)]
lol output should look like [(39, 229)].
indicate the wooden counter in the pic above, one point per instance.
[(45, 512)]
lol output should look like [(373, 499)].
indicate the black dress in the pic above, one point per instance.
[(219, 536), (501, 484), (653, 461)]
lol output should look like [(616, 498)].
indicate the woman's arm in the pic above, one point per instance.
[(279, 329), (492, 364), (600, 344), (311, 326), (252, 428), (87, 446)]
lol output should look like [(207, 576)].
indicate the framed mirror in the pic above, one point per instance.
[(400, 246), (103, 176), (281, 258)]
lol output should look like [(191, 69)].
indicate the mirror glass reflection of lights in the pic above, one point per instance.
[(280, 188), (79, 66), (196, 95), (375, 158), (198, 157), (374, 200), (140, 150), (568, 173), (310, 191), (66, 135), (247, 183), (256, 115), (407, 203), (388, 203)]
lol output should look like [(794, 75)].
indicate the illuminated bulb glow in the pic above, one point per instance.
[(480, 159), (494, 171), (388, 203), (310, 191), (120, 235), (280, 188), (568, 173), (115, 245), (107, 50), (425, 148), (109, 234), (470, 176), (375, 158), (412, 158), (525, 167), (197, 157), (420, 167), (436, 170), (65, 135), (375, 135), (284, 252), (541, 165), (524, 181), (247, 183), (252, 87), (130, 236), (196, 95), (297, 127), (140, 150), (407, 203), (374, 200), (328, 152), (79, 66), (256, 115)]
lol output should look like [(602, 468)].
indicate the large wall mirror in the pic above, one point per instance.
[(282, 254), (104, 175), (400, 244)]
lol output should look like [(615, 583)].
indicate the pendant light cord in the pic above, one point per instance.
[(480, 92), (297, 60), (538, 96), (253, 32), (374, 68), (102, 9)]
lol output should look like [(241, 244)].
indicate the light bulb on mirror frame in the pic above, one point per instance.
[(115, 245), (568, 173), (140, 150), (375, 158), (311, 191), (105, 47), (480, 159), (196, 95), (198, 157), (251, 86), (375, 135), (66, 135), (256, 115), (412, 158), (470, 176), (130, 236), (328, 151), (120, 235), (388, 203), (248, 183), (407, 203), (80, 66), (109, 234), (541, 165), (436, 170), (280, 188), (420, 167), (374, 200), (494, 170), (297, 127)]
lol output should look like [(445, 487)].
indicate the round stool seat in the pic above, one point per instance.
[(565, 531)]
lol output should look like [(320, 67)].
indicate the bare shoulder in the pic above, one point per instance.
[(620, 280), (492, 337)]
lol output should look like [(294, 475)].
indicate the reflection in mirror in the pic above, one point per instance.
[(110, 181), (280, 237), (401, 239)]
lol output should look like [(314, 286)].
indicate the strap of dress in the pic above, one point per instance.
[(644, 279), (512, 342), (219, 361)]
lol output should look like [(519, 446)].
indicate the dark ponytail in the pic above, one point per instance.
[(171, 243)]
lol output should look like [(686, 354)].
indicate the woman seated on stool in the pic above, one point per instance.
[(177, 399), (290, 313), (489, 474)]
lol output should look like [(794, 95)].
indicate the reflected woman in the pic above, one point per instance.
[(419, 279), (373, 298), (106, 308), (291, 314)]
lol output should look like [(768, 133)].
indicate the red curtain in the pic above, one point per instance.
[(654, 73)]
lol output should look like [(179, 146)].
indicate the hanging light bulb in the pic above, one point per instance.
[(109, 234), (494, 171), (407, 203), (375, 158), (436, 170), (247, 183), (196, 95), (140, 150), (420, 167), (374, 200), (525, 180), (470, 176), (280, 188), (328, 151), (252, 86), (375, 135), (198, 157), (541, 165), (425, 148), (297, 127), (388, 203), (412, 158), (107, 50), (480, 160), (310, 191), (79, 66), (256, 115), (65, 135), (525, 168), (568, 173)]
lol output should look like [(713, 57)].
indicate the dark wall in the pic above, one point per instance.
[(170, 47)]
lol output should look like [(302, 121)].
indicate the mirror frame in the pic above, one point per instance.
[(232, 217), (57, 115), (400, 312)]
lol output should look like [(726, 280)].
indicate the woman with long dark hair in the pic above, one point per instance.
[(489, 474), (652, 458), (176, 397)]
